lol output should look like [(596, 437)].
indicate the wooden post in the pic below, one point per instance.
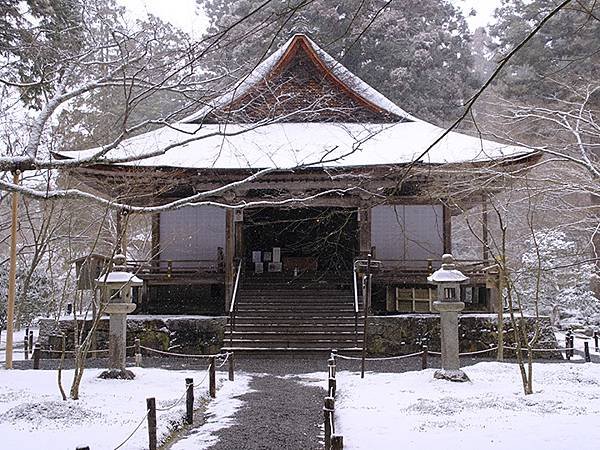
[(26, 347), (36, 356), (424, 357), (231, 367), (31, 341), (332, 387), (229, 256), (500, 312), (189, 400), (447, 224), (151, 408), (571, 344), (138, 353), (12, 275), (328, 408), (586, 351), (331, 367), (484, 229), (567, 345), (596, 341), (212, 382), (337, 442)]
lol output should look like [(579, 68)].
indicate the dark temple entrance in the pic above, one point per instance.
[(318, 240)]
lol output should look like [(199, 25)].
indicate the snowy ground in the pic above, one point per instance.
[(18, 336), (414, 410), (33, 415)]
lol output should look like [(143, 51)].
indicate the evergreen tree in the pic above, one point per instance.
[(416, 52), (565, 50)]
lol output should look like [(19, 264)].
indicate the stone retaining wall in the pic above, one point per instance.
[(403, 334), (387, 335), (179, 334)]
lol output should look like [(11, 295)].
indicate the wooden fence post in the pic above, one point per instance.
[(567, 346), (36, 356), (189, 400), (572, 345), (337, 442), (26, 347), (151, 408), (596, 342), (31, 341), (331, 367), (424, 357), (138, 353), (328, 408), (332, 387), (212, 382), (231, 367), (586, 351)]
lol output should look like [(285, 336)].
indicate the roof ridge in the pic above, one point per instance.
[(354, 84)]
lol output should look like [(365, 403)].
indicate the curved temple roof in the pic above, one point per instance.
[(332, 119)]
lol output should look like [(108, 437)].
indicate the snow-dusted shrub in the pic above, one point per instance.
[(38, 300), (564, 281)]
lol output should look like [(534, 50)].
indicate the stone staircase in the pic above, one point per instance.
[(279, 316)]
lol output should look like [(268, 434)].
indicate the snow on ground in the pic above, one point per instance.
[(414, 410), (578, 344), (18, 336), (32, 411), (219, 415)]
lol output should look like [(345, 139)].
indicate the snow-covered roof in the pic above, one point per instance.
[(347, 78), (271, 144), (288, 145)]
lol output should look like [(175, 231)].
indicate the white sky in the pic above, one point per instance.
[(185, 14)]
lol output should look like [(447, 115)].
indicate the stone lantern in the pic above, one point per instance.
[(448, 280), (116, 294)]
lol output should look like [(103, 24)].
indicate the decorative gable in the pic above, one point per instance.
[(300, 86)]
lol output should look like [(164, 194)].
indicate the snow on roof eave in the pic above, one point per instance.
[(338, 71)]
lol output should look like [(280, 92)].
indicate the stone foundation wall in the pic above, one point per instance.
[(179, 334), (387, 335), (403, 334)]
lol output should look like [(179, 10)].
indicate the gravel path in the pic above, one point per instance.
[(280, 414)]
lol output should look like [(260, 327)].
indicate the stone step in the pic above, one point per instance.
[(282, 343), (294, 336)]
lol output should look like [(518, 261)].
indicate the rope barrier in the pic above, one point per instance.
[(133, 432), (383, 358), (525, 349), (168, 408), (181, 355), (478, 352), (226, 355), (203, 379)]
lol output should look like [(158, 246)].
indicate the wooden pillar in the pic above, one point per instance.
[(484, 228), (229, 256), (121, 220), (239, 233), (364, 230), (447, 229), (155, 230), (12, 275)]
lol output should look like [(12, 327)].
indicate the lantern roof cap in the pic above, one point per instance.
[(448, 273), (119, 274)]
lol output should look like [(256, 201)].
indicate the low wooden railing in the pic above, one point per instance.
[(170, 267)]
